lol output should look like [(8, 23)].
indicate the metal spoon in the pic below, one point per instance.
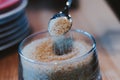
[(64, 13), (62, 44)]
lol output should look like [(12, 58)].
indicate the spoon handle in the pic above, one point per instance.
[(68, 5)]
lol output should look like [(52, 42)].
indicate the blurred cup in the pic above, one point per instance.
[(81, 64)]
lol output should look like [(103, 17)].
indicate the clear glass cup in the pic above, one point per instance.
[(84, 67)]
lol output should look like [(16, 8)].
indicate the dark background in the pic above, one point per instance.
[(115, 5)]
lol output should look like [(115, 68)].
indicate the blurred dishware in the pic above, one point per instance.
[(14, 25)]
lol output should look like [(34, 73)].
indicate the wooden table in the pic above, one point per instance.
[(93, 16)]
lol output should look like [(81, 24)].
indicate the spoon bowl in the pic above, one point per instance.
[(64, 13)]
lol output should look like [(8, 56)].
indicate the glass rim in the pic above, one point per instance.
[(93, 47)]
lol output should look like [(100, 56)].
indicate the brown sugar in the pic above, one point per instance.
[(42, 50), (59, 26)]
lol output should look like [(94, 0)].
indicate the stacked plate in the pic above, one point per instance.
[(14, 26)]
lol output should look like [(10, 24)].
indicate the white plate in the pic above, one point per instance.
[(23, 29), (12, 25), (14, 30), (10, 18), (14, 41), (11, 14)]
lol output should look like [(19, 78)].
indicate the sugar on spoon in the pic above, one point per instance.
[(61, 22)]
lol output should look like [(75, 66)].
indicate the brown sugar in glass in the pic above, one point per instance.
[(37, 60)]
